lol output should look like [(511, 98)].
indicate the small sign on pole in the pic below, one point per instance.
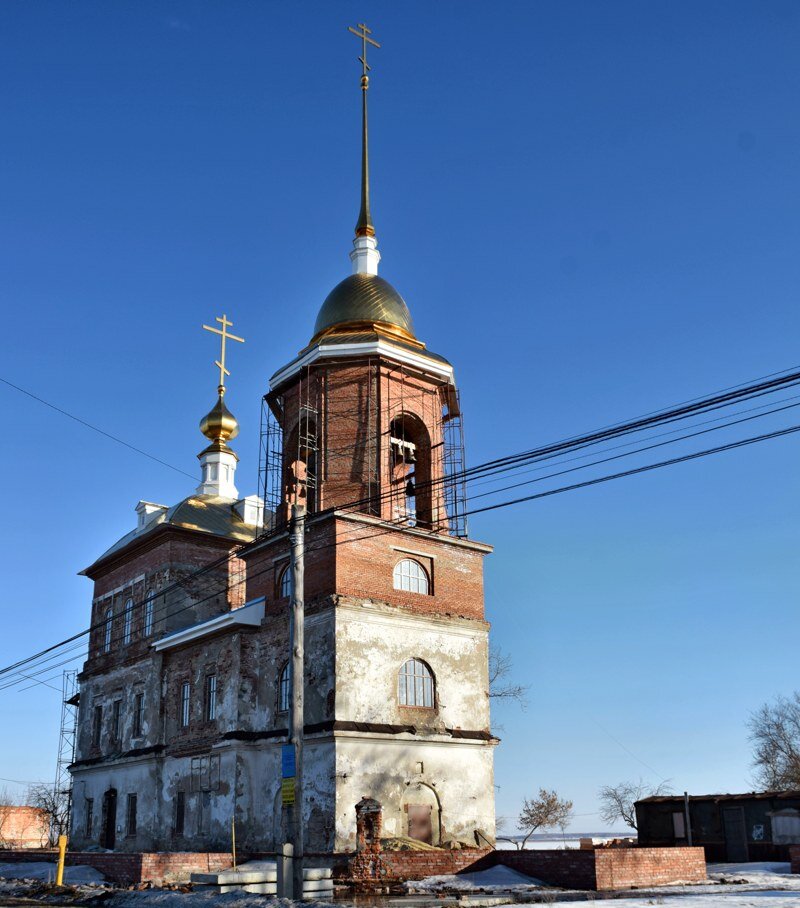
[(287, 792)]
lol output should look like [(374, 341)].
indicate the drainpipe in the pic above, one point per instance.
[(688, 819)]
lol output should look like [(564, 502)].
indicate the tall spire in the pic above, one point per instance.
[(218, 461), (365, 255)]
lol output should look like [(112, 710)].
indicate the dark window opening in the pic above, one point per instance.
[(97, 725), (138, 714), (89, 820), (180, 812), (410, 464), (116, 711), (130, 821)]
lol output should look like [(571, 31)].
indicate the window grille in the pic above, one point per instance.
[(410, 575), (415, 685)]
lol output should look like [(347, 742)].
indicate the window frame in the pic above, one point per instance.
[(285, 687), (148, 618), (419, 577), (185, 701), (210, 697), (285, 582), (130, 814), (413, 681), (108, 625), (127, 622)]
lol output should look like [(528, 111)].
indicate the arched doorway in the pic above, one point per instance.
[(422, 813)]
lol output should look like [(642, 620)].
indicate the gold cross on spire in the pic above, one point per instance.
[(220, 363), (361, 31)]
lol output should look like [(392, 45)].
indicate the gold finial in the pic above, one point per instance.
[(220, 363), (364, 227)]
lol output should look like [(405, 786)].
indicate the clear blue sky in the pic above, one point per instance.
[(592, 209)]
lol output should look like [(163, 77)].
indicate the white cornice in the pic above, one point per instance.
[(366, 348), (249, 615)]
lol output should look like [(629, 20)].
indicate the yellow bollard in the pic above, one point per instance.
[(62, 852)]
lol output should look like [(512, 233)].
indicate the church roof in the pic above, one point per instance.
[(364, 299), (206, 514)]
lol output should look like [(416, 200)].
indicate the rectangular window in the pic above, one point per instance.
[(679, 825), (148, 617), (211, 698), (130, 823), (138, 714), (116, 710), (97, 725), (185, 691), (180, 812), (89, 817)]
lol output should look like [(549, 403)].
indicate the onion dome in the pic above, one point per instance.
[(364, 301), (219, 425)]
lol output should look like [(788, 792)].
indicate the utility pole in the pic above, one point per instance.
[(296, 718)]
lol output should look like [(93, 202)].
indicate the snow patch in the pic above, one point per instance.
[(46, 872)]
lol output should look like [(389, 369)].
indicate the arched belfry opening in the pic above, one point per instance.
[(410, 471), (301, 464)]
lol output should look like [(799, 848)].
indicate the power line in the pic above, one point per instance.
[(88, 425), (490, 468)]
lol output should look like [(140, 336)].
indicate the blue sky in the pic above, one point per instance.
[(591, 209)]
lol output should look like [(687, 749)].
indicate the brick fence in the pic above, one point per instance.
[(125, 869), (600, 869)]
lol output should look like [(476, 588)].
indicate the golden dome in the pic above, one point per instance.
[(219, 425), (362, 300)]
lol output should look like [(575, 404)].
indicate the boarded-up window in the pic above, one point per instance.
[(679, 825)]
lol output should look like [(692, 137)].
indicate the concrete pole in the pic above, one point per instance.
[(297, 721), (688, 818)]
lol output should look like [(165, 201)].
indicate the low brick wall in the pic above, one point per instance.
[(635, 868), (794, 858), (569, 868), (126, 869), (416, 865)]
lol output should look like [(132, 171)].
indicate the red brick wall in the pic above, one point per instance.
[(125, 869), (416, 865), (569, 868), (625, 868)]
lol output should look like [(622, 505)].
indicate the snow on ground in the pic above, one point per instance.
[(763, 899), (765, 874), (499, 877), (46, 872), (156, 898)]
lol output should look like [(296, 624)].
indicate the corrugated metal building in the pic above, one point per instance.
[(756, 826)]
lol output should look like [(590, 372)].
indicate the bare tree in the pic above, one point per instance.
[(545, 811), (617, 801), (775, 733), (501, 687), (7, 802), (55, 804)]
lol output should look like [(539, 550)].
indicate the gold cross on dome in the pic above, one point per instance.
[(361, 31), (224, 335)]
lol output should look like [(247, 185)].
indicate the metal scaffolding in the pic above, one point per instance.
[(67, 740)]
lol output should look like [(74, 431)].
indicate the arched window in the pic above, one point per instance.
[(285, 582), (109, 621), (149, 614), (415, 685), (409, 575), (127, 622), (284, 688)]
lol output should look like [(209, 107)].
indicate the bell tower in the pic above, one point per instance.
[(363, 427)]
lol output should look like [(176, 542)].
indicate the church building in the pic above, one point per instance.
[(185, 694)]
